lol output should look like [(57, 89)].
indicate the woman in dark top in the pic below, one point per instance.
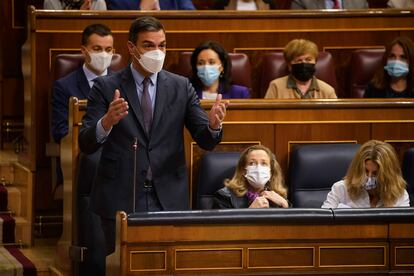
[(396, 78), (257, 182), (211, 73)]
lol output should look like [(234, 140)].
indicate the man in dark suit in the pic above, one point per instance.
[(137, 116), (97, 47)]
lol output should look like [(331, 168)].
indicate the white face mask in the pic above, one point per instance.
[(257, 175), (370, 183), (100, 61), (152, 61)]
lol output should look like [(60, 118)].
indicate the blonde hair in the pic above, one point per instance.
[(239, 185), (391, 184), (299, 47)]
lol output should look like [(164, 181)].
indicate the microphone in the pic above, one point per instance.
[(134, 179)]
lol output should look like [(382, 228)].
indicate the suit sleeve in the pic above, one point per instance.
[(185, 5), (221, 200), (197, 122), (97, 107), (245, 93), (297, 5), (60, 102)]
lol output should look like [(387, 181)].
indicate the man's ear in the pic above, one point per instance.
[(85, 53), (130, 46)]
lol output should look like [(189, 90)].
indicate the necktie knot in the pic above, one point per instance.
[(146, 82)]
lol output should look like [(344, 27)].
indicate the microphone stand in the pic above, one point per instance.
[(135, 147)]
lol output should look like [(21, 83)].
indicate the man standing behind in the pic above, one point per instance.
[(140, 113), (97, 47)]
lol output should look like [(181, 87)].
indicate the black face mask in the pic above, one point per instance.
[(303, 71)]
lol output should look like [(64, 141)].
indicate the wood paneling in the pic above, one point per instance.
[(339, 32), (262, 248)]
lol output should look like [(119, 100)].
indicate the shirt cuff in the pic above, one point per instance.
[(215, 132), (101, 133)]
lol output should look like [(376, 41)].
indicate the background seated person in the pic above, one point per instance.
[(395, 79), (241, 5), (97, 47), (373, 180), (328, 4), (401, 4), (300, 56), (211, 73), (74, 5), (257, 182), (150, 5)]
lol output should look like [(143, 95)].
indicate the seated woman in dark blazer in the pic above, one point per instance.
[(211, 73), (257, 182), (395, 79)]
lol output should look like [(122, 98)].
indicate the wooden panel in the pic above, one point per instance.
[(404, 256), (401, 231), (148, 260), (353, 256), (265, 247), (294, 257), (208, 259), (221, 232)]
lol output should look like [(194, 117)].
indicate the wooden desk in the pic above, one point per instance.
[(264, 242)]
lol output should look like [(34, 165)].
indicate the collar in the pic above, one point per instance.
[(139, 78), (90, 76), (311, 90)]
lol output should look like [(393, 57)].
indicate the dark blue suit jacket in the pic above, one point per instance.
[(164, 4), (74, 84), (176, 106)]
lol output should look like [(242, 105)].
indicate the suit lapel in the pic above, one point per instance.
[(161, 98), (129, 89), (82, 83)]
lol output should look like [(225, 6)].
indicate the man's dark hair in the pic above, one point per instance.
[(144, 24), (98, 29)]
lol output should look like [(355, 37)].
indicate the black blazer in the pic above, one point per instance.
[(176, 106), (226, 199)]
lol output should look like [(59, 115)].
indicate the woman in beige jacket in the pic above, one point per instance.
[(300, 56)]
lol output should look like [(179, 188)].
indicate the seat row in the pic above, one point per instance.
[(364, 63), (313, 169)]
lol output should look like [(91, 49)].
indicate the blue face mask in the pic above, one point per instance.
[(396, 68), (208, 74)]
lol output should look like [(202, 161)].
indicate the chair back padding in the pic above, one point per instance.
[(214, 168), (67, 63), (313, 169), (364, 64), (274, 66), (408, 172), (240, 68)]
